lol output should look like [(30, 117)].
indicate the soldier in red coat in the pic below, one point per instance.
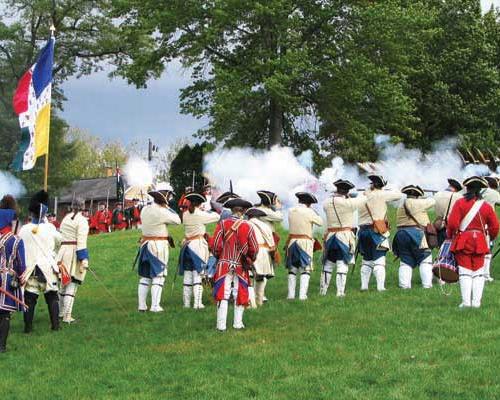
[(470, 223), (119, 221), (235, 246), (102, 219)]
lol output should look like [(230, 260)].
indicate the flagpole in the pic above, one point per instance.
[(46, 172)]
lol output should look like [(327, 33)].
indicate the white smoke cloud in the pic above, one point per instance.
[(9, 184), (138, 172), (278, 170)]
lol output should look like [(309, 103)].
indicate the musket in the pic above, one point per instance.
[(194, 174), (107, 291), (231, 186), (496, 253), (12, 297), (425, 190)]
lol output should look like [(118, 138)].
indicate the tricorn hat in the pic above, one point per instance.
[(455, 184), (267, 198), (226, 196), (413, 190), (377, 180), (196, 198), (40, 200), (161, 192), (343, 185), (306, 198), (492, 182), (475, 182), (255, 213), (233, 203)]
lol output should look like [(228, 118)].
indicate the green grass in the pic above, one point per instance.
[(394, 345)]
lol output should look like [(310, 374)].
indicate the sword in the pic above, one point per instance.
[(496, 253), (107, 291), (12, 297), (136, 258)]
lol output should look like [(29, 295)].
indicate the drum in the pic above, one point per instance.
[(445, 266)]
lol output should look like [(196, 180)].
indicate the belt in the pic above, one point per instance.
[(148, 238), (266, 246), (69, 243), (366, 226), (190, 238), (293, 236), (335, 230), (409, 226)]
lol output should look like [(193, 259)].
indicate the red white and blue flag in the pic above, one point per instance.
[(31, 103)]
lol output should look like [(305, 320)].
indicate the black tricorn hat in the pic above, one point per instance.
[(255, 213), (377, 180), (343, 185), (160, 196), (455, 184), (413, 190), (233, 203), (267, 198), (476, 182), (492, 182), (226, 196), (306, 198), (41, 197), (196, 198)]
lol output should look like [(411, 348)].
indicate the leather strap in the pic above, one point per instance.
[(190, 238), (147, 238), (69, 243)]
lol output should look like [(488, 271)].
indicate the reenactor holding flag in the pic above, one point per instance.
[(41, 239)]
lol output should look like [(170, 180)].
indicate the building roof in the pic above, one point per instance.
[(97, 189)]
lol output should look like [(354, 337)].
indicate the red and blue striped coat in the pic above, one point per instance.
[(12, 266), (235, 246)]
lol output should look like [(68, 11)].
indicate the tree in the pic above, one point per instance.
[(86, 36), (252, 61), (189, 160)]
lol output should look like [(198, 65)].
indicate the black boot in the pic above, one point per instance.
[(4, 331), (30, 299), (52, 300)]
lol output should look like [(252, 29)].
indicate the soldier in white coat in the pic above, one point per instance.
[(154, 251), (445, 201), (41, 239), (271, 206), (73, 256), (301, 244), (340, 239), (492, 197), (410, 244), (263, 267), (374, 231), (194, 254)]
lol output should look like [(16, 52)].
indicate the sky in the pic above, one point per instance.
[(113, 110)]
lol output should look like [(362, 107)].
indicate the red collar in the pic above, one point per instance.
[(5, 230)]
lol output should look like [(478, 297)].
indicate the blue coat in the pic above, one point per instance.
[(12, 266)]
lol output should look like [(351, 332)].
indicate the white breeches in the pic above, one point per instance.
[(231, 284), (378, 268), (156, 285), (193, 287), (305, 276), (471, 286), (406, 272), (341, 277)]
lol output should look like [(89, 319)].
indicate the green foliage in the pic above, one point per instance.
[(189, 159), (85, 37), (418, 71), (413, 344)]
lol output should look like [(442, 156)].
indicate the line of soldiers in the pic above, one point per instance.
[(104, 221), (241, 256)]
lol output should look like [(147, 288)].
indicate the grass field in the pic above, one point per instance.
[(394, 345)]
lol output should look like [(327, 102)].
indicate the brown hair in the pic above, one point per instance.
[(8, 202)]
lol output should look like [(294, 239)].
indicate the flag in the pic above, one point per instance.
[(31, 103), (120, 186)]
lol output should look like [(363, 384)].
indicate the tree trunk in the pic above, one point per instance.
[(275, 123)]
